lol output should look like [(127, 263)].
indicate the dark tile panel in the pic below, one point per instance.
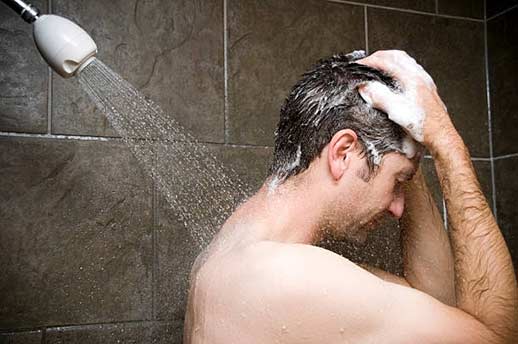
[(271, 43), (452, 51), (506, 191), (177, 246), (483, 171), (463, 8), (31, 337), (418, 5), (502, 36), (171, 50), (23, 75), (75, 244), (127, 333), (495, 7), (428, 168)]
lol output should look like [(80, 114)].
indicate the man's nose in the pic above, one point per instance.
[(397, 206)]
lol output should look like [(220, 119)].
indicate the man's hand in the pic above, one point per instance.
[(485, 282), (418, 108)]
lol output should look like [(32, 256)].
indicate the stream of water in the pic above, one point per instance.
[(201, 190)]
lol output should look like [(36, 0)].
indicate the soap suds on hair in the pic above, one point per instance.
[(402, 107), (376, 155), (356, 55), (295, 163), (277, 179)]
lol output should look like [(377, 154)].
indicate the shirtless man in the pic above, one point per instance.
[(339, 163)]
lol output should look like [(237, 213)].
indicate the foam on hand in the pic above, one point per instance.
[(402, 107), (409, 147)]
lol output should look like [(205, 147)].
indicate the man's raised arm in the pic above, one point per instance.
[(427, 256), (485, 282)]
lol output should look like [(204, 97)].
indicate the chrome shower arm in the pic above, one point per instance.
[(28, 12)]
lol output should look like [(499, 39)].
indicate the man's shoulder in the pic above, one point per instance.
[(298, 267)]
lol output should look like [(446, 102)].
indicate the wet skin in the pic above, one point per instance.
[(263, 281)]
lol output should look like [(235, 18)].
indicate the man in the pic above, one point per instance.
[(338, 165)]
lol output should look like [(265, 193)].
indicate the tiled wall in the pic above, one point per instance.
[(89, 251), (502, 41)]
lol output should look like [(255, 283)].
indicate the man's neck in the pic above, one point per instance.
[(283, 213)]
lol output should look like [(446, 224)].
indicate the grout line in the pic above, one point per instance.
[(124, 322), (505, 156), (366, 26), (225, 71), (436, 6), (489, 117), (59, 136), (111, 138), (49, 85), (406, 10), (472, 158), (503, 12), (49, 101), (80, 326), (154, 240), (243, 145)]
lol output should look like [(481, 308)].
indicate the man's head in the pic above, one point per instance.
[(325, 118)]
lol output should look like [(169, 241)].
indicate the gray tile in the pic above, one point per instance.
[(177, 246), (463, 8), (495, 7), (506, 190), (453, 52), (428, 168), (483, 171), (418, 5), (171, 50), (75, 244), (23, 75), (31, 337), (271, 43), (502, 35), (128, 333)]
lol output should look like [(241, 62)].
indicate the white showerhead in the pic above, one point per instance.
[(65, 46)]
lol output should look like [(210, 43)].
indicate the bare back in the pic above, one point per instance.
[(272, 292)]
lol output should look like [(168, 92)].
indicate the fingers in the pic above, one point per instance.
[(399, 107), (399, 65), (378, 95)]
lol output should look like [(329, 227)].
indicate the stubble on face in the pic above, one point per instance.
[(351, 227)]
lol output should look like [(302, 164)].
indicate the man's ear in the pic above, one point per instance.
[(340, 150)]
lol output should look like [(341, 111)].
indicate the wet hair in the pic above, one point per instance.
[(324, 101)]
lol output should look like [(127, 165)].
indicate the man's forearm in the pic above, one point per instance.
[(484, 278), (427, 256)]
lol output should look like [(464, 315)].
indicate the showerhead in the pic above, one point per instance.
[(65, 46)]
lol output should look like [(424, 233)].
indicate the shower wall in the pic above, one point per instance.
[(89, 251), (502, 42)]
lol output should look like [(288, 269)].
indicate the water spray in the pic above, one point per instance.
[(66, 47)]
